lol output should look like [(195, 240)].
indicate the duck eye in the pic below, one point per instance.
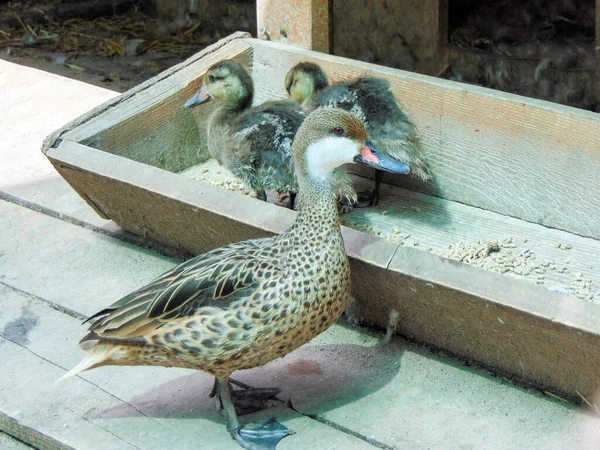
[(212, 78), (338, 131)]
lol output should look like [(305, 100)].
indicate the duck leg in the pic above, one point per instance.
[(263, 435), (370, 198), (292, 200), (374, 197), (248, 399)]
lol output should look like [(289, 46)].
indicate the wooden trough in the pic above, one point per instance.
[(517, 174)]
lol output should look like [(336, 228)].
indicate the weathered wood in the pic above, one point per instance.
[(597, 74), (298, 22), (154, 127), (557, 258), (406, 34), (110, 408), (161, 205), (136, 100), (517, 156)]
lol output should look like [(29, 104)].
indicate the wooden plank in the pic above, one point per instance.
[(153, 127), (517, 156), (298, 22), (406, 34), (161, 206), (140, 97), (120, 408), (597, 74), (548, 257)]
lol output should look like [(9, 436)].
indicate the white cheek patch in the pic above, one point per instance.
[(327, 154)]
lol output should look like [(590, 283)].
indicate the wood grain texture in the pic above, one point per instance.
[(298, 22), (103, 116), (517, 156), (154, 127), (432, 224), (405, 34), (597, 74)]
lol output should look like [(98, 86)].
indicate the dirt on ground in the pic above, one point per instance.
[(117, 45)]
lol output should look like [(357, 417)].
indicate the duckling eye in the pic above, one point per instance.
[(338, 131), (212, 78)]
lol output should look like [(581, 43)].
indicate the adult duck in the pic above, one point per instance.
[(373, 101), (248, 303)]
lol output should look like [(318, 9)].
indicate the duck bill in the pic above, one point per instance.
[(198, 98), (370, 157)]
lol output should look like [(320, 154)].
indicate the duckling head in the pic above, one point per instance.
[(331, 137), (303, 79), (226, 82)]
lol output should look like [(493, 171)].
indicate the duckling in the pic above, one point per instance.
[(372, 100), (254, 143), (251, 302)]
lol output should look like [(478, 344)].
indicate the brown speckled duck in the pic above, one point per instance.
[(372, 100), (248, 303)]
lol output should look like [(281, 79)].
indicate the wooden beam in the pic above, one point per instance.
[(597, 75), (404, 34), (299, 22)]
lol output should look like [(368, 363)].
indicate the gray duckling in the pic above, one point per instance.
[(254, 143), (370, 99), (251, 302)]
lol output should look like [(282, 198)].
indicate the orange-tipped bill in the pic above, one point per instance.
[(370, 157), (198, 98)]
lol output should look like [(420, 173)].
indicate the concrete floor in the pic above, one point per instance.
[(59, 263)]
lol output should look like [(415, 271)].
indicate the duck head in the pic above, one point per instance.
[(303, 79), (331, 137), (226, 82)]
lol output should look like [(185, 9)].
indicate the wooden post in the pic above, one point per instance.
[(299, 22), (597, 74)]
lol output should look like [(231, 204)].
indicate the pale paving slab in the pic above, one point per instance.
[(399, 394), (117, 408), (69, 265), (33, 104)]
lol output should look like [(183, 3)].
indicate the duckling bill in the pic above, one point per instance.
[(246, 304), (373, 101)]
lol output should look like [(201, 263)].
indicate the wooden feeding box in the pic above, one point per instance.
[(496, 260)]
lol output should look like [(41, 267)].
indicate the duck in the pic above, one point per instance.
[(248, 303), (372, 100), (254, 143)]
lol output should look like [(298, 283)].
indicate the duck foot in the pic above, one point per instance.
[(344, 205), (263, 435), (249, 399)]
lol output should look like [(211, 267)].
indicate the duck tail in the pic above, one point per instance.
[(97, 356)]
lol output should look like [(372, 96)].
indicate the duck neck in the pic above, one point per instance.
[(317, 207)]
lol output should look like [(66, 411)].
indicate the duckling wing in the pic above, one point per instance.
[(214, 279), (388, 124), (264, 135)]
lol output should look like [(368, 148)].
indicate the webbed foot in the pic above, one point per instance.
[(263, 435), (249, 399)]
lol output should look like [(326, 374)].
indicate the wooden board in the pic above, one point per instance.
[(405, 34), (160, 205), (298, 22), (517, 156), (422, 286)]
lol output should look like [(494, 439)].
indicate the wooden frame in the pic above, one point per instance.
[(475, 140)]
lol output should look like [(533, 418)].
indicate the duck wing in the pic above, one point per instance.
[(388, 124), (263, 136), (213, 279)]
